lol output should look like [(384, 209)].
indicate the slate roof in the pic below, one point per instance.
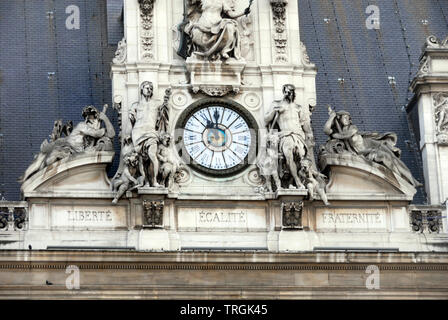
[(48, 72)]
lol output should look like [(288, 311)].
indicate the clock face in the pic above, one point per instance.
[(218, 137)]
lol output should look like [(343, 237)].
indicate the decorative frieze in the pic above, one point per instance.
[(13, 216), (280, 35), (216, 91), (147, 34), (153, 213), (292, 215), (430, 220)]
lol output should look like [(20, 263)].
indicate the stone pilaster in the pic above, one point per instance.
[(431, 108)]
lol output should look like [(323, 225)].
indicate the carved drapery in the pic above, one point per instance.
[(147, 37), (280, 34)]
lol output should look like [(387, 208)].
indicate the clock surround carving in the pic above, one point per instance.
[(227, 104)]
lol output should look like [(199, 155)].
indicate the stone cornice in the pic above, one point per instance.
[(94, 260)]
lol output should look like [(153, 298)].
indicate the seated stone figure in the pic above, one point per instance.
[(213, 29), (380, 148), (86, 136)]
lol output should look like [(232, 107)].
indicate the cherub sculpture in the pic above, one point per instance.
[(314, 180), (169, 164), (128, 176)]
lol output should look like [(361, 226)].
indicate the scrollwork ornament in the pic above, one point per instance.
[(254, 178), (147, 38), (433, 42), (153, 213), (280, 36), (292, 215)]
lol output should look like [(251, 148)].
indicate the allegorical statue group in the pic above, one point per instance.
[(148, 158), (289, 157)]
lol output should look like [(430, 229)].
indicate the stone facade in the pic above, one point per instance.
[(268, 194), (430, 88), (256, 276)]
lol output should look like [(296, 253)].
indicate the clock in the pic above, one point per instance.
[(218, 136)]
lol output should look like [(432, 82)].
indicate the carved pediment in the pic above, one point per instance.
[(83, 175), (353, 178)]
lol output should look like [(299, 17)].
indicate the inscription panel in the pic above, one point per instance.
[(221, 218), (91, 217), (357, 219)]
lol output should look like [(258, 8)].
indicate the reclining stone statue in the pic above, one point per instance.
[(86, 136), (380, 148)]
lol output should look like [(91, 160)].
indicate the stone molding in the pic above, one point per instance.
[(60, 170), (91, 260), (398, 188)]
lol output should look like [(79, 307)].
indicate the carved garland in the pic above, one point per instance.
[(280, 35), (146, 14)]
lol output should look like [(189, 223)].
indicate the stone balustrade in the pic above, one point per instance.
[(13, 215)]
